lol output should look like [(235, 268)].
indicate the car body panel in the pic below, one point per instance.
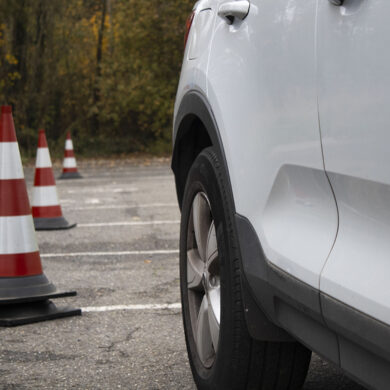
[(262, 87), (354, 85), (194, 69), (201, 31)]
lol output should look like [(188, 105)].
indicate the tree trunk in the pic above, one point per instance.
[(98, 73)]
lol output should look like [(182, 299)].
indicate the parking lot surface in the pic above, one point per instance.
[(122, 259)]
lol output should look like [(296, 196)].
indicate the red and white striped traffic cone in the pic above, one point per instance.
[(24, 289), (46, 209), (69, 169)]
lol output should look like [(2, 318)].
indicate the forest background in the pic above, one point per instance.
[(106, 70)]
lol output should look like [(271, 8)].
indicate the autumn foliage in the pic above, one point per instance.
[(107, 70)]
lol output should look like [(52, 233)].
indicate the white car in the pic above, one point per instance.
[(282, 166)]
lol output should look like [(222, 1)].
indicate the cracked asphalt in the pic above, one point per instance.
[(139, 348)]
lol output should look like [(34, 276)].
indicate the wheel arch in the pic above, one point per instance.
[(195, 129)]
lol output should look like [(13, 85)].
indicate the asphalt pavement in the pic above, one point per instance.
[(122, 259)]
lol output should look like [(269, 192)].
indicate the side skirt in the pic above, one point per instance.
[(354, 341)]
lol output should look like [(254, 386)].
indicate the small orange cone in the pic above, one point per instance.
[(69, 170), (46, 209), (24, 289)]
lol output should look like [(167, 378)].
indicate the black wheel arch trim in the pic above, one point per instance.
[(193, 107), (195, 104)]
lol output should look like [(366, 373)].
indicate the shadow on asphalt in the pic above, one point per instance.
[(326, 376)]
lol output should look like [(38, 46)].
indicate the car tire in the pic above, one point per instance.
[(221, 353)]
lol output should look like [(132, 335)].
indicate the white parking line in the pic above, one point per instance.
[(151, 306), (120, 253), (117, 179), (101, 190), (128, 223), (124, 206)]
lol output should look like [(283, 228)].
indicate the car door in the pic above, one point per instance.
[(262, 88), (354, 101)]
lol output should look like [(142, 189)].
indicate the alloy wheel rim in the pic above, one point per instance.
[(203, 279)]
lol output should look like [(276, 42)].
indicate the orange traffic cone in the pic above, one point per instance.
[(24, 289), (46, 208), (69, 170)]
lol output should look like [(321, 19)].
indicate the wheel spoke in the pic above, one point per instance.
[(203, 279), (204, 342), (195, 267), (214, 314), (212, 248), (202, 220)]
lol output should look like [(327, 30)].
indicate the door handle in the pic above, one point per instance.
[(337, 2), (234, 9)]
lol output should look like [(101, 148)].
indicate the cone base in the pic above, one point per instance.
[(22, 313), (56, 223), (25, 289), (70, 175), (35, 298)]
